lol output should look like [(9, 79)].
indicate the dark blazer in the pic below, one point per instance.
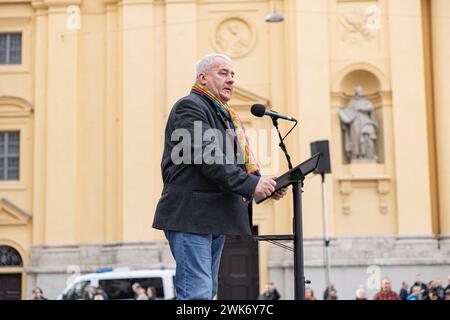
[(199, 197)]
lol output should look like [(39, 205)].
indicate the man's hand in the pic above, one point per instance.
[(265, 186), (280, 194)]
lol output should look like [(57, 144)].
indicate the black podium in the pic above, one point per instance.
[(294, 177)]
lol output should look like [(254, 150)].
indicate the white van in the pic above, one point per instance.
[(117, 283)]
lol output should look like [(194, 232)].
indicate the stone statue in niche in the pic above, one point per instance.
[(360, 128)]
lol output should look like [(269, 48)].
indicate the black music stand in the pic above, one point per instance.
[(294, 177)]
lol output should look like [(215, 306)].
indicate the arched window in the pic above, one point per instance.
[(9, 257)]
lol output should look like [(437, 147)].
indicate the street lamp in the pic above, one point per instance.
[(274, 17)]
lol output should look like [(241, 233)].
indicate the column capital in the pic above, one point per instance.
[(134, 2), (38, 4), (180, 1), (62, 3), (110, 2), (45, 4)]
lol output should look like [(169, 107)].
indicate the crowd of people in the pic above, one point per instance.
[(433, 290), (143, 294), (94, 293), (97, 293)]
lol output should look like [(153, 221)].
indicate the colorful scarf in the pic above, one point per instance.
[(235, 124)]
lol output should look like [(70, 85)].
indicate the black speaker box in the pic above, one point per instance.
[(322, 146)]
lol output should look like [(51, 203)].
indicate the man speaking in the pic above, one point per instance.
[(210, 177)]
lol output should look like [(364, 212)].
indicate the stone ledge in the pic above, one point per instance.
[(142, 255), (363, 251)]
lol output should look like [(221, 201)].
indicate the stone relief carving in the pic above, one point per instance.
[(234, 36), (360, 25)]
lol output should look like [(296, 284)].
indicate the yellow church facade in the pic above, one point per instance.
[(86, 87)]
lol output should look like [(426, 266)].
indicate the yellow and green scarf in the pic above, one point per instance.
[(235, 124)]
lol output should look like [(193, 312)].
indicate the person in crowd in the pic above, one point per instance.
[(151, 293), (333, 295), (270, 292), (447, 294), (440, 289), (386, 292), (309, 294), (37, 294), (100, 294), (448, 284), (404, 291), (326, 293), (89, 293), (98, 297), (422, 286), (361, 294), (139, 291), (433, 294), (416, 294), (86, 294), (430, 286)]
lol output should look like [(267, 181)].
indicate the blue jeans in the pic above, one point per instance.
[(198, 260)]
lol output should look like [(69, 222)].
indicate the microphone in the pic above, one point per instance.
[(259, 110)]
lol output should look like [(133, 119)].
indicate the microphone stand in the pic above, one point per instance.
[(297, 185)]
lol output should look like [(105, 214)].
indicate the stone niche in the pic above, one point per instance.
[(371, 93), (365, 191)]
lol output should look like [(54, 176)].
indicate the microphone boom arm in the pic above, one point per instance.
[(281, 144)]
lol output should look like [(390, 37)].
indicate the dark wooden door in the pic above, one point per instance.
[(239, 269), (10, 286)]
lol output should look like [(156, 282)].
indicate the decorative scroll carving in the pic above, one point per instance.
[(383, 191), (346, 190)]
